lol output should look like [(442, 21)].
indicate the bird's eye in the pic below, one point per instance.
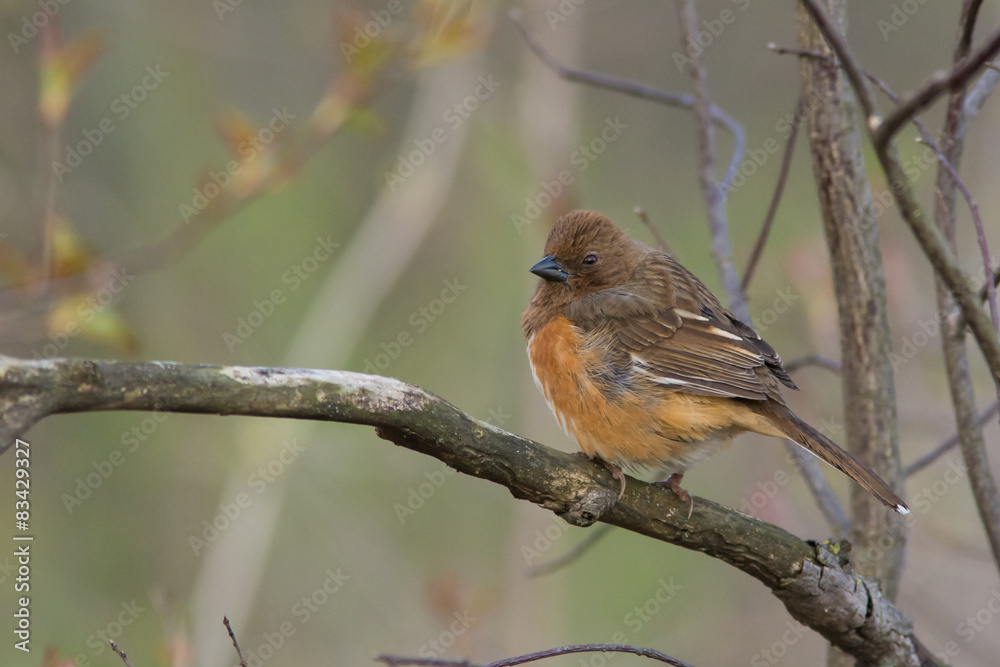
[(590, 260)]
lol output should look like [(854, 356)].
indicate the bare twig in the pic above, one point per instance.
[(779, 189), (949, 444), (653, 654), (977, 221), (550, 566), (715, 202), (826, 500), (976, 98), (953, 80), (989, 289), (792, 51), (661, 242), (984, 292), (641, 91), (236, 644), (970, 14), (120, 653), (829, 364)]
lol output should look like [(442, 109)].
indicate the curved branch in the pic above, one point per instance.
[(642, 91), (399, 661), (814, 581)]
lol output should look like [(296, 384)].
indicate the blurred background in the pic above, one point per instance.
[(364, 187)]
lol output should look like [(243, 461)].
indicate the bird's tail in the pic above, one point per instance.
[(827, 450)]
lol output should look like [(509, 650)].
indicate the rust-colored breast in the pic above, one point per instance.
[(644, 425)]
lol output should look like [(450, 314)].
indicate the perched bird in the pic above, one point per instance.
[(642, 365)]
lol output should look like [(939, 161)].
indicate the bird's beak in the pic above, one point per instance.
[(549, 269)]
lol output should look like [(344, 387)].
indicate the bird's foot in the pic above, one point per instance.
[(616, 471), (673, 482)]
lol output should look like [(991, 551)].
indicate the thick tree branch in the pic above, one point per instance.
[(814, 581), (859, 279)]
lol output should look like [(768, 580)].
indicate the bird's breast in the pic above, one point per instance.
[(627, 421)]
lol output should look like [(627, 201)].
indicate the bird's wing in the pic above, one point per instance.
[(667, 327)]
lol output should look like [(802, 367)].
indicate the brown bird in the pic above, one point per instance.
[(642, 365)]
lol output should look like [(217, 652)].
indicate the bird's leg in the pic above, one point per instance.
[(616, 471), (673, 482)]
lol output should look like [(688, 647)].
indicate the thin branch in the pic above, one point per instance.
[(568, 558), (661, 242), (120, 653), (985, 291), (398, 661), (236, 644), (989, 289), (808, 578), (715, 203), (642, 91), (971, 12), (829, 364), (923, 98), (949, 444), (826, 500), (960, 383), (930, 238), (977, 221), (976, 98), (779, 189)]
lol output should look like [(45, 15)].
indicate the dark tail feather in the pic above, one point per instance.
[(827, 450)]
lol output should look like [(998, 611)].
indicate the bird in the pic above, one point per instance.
[(643, 367)]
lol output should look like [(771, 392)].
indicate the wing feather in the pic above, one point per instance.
[(675, 333)]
